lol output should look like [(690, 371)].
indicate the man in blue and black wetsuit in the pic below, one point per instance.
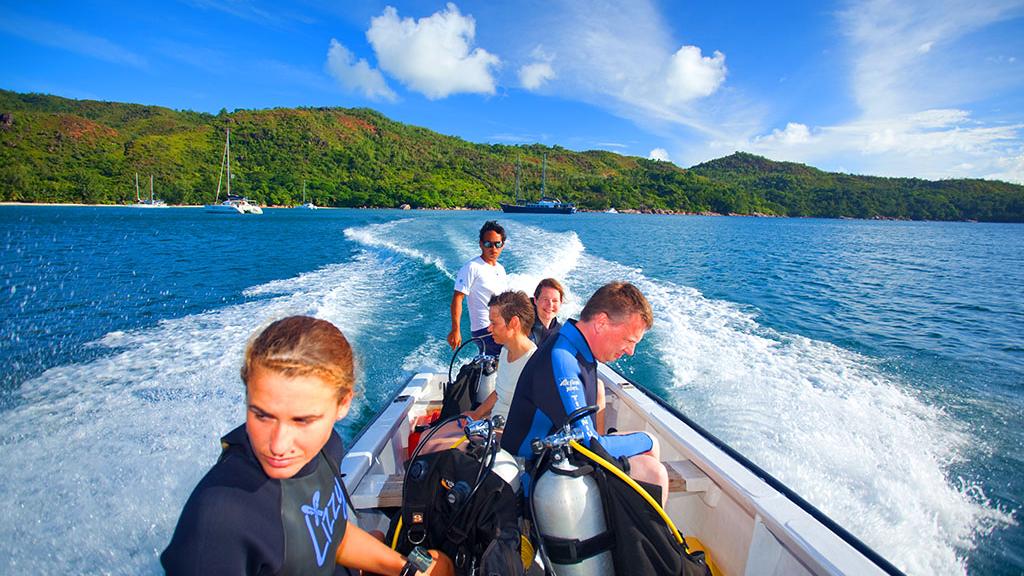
[(562, 377)]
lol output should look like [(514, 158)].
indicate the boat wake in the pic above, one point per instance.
[(379, 235), (854, 441), (116, 444), (851, 439), (101, 456)]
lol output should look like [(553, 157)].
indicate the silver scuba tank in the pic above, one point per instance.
[(488, 378), (571, 507)]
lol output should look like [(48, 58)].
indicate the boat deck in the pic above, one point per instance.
[(747, 525)]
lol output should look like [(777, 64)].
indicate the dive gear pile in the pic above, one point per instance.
[(617, 527), (453, 501), (476, 380)]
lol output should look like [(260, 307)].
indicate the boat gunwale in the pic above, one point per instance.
[(845, 535)]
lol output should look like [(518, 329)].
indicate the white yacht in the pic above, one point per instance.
[(234, 204)]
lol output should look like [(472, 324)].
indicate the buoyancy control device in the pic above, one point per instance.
[(592, 519), (476, 380), (452, 500)]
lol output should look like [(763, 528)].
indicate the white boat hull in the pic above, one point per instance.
[(223, 209), (747, 525), (232, 207)]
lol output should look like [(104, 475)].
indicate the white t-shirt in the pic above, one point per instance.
[(505, 381), (478, 280)]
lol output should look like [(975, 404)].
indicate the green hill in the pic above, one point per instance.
[(55, 149)]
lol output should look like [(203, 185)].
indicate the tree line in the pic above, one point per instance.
[(56, 149)]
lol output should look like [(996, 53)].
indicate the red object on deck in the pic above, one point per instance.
[(414, 436)]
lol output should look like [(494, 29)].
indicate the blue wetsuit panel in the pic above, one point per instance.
[(560, 378)]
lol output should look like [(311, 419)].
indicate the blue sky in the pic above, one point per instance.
[(926, 88)]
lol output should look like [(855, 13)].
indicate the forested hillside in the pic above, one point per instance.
[(60, 150)]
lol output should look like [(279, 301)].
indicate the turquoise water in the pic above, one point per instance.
[(875, 367)]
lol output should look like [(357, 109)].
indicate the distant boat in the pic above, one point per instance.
[(611, 210), (546, 204), (306, 205), (234, 204), (153, 202)]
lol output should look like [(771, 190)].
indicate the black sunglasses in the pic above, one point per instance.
[(489, 244)]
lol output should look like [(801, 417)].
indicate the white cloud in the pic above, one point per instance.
[(624, 58), (691, 75), (533, 76), (795, 133), (905, 56), (943, 143), (433, 55), (357, 76), (63, 37), (1010, 168), (659, 154), (915, 70)]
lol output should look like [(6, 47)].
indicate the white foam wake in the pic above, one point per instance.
[(826, 421), (541, 254), (382, 236), (100, 457)]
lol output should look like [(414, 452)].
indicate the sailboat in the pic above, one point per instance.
[(234, 204), (153, 202), (306, 205), (546, 204)]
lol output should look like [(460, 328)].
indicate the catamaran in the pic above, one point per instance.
[(306, 205), (153, 201), (746, 521), (234, 204)]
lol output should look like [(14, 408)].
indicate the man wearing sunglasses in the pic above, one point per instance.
[(478, 280)]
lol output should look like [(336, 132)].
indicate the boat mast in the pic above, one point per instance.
[(220, 173), (150, 188), (544, 178), (517, 179), (227, 153), (137, 198)]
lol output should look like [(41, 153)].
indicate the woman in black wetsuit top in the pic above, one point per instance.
[(273, 503), (547, 301)]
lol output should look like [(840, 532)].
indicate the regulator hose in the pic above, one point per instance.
[(456, 355)]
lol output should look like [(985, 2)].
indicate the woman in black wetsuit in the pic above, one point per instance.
[(273, 503), (547, 301)]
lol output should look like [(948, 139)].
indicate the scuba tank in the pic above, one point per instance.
[(488, 378), (568, 510), (578, 493)]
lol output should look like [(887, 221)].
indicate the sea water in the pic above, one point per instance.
[(877, 368)]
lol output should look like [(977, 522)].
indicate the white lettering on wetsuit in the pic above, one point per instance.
[(573, 398)]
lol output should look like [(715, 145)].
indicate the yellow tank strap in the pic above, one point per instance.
[(631, 483), (526, 551), (398, 529)]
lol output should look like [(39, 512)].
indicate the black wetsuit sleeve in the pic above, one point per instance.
[(208, 540), (231, 524)]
